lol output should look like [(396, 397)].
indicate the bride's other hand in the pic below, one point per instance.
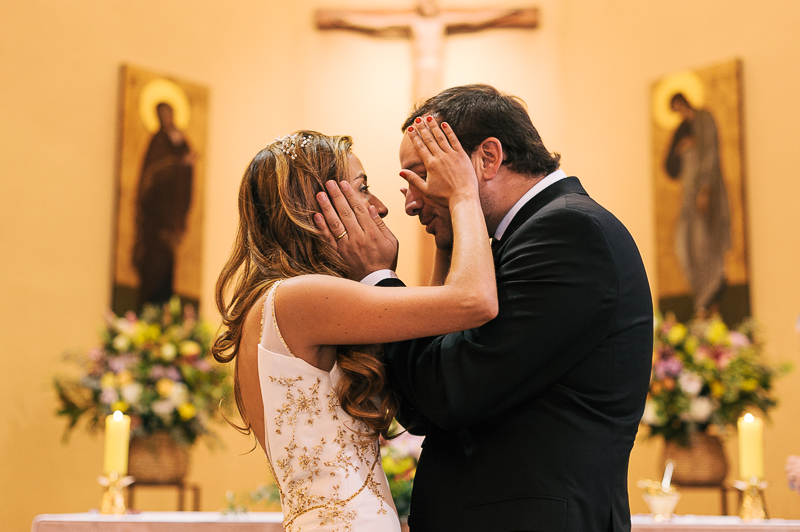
[(451, 175)]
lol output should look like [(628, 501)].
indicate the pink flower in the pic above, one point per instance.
[(116, 364), (721, 355), (108, 396), (703, 352), (173, 373), (96, 354), (738, 340), (665, 351), (724, 359), (668, 367)]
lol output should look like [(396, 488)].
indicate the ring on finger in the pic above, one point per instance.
[(342, 235)]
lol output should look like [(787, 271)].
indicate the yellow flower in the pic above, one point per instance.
[(749, 385), (189, 348), (122, 406), (691, 345), (676, 334), (164, 387), (124, 377), (187, 411), (717, 389), (717, 333), (145, 333), (108, 380)]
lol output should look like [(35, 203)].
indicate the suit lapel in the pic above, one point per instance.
[(568, 185)]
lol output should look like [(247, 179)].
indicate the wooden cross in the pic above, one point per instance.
[(426, 26)]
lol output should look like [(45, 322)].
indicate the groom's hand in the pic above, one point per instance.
[(355, 229)]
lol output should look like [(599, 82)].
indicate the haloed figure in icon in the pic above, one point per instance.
[(164, 198), (702, 235)]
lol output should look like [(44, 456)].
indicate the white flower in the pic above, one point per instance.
[(131, 393), (700, 409), (650, 416), (169, 351), (163, 408), (121, 343), (123, 325), (691, 383), (179, 394)]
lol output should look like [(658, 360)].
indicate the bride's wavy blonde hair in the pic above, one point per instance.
[(276, 239)]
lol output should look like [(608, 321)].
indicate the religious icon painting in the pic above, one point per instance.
[(161, 161), (699, 193)]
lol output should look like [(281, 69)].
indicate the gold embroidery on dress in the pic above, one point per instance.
[(300, 465), (302, 402)]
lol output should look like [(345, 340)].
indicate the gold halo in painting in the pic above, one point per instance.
[(687, 83), (163, 90)]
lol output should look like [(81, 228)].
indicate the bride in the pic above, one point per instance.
[(305, 338)]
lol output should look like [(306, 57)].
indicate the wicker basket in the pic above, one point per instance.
[(703, 463), (157, 458)]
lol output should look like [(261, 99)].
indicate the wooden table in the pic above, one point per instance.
[(271, 522)]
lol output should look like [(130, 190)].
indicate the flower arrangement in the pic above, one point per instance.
[(155, 367), (705, 375), (399, 457)]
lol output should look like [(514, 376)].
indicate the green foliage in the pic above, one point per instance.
[(399, 457), (267, 496)]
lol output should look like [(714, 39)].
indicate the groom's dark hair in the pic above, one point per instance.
[(477, 112)]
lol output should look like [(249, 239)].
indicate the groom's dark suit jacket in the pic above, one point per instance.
[(530, 419)]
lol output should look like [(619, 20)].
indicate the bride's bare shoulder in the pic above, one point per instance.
[(312, 286)]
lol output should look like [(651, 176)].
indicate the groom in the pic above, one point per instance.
[(530, 419)]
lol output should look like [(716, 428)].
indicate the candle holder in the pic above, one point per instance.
[(661, 500), (752, 499), (113, 500)]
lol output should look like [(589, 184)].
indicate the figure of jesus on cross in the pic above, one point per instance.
[(426, 26)]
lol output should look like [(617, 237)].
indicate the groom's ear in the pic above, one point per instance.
[(488, 158)]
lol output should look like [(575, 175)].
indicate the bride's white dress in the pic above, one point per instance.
[(330, 478)]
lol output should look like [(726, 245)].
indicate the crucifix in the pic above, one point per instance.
[(426, 26)]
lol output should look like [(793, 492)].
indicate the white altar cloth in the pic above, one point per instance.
[(272, 522), (160, 522), (710, 523)]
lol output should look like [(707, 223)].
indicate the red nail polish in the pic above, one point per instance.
[(444, 125), (418, 120), (429, 119), (410, 128)]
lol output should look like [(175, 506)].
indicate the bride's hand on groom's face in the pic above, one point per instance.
[(354, 227), (450, 174)]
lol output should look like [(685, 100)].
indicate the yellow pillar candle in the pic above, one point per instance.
[(751, 447), (118, 427)]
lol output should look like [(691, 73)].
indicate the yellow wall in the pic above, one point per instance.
[(585, 76)]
